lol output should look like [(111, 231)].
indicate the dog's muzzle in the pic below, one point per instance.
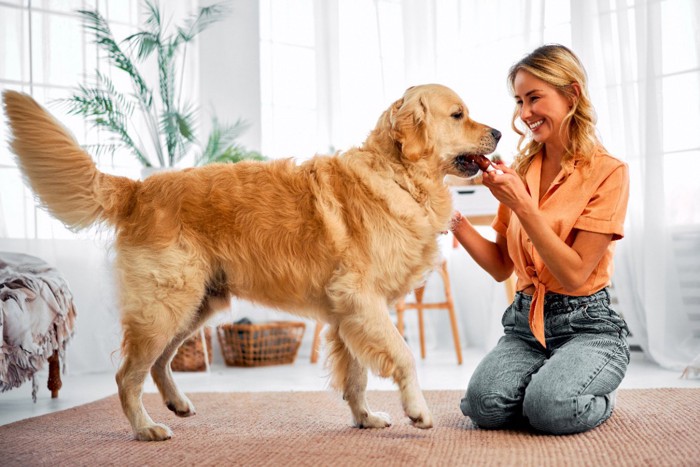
[(466, 165)]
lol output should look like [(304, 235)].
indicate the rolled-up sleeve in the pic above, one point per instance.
[(500, 223)]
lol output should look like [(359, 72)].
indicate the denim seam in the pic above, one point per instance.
[(531, 371), (593, 377), (584, 312)]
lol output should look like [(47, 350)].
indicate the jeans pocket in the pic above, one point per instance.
[(508, 319), (596, 319)]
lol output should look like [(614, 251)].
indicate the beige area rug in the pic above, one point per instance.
[(652, 427)]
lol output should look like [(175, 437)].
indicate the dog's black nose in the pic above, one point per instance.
[(496, 134)]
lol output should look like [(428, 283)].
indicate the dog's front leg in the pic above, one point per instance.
[(372, 338), (350, 377)]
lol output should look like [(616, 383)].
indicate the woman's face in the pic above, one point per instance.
[(542, 108)]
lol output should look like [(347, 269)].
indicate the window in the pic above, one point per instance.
[(681, 110), (288, 78), (45, 52), (367, 52)]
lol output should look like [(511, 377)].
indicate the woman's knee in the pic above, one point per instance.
[(548, 413), (489, 407), (556, 413)]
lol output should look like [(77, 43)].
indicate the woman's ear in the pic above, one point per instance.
[(575, 93), (408, 126)]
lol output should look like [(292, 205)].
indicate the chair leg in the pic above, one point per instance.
[(455, 333), (451, 309), (316, 342), (510, 288), (421, 333), (54, 383), (421, 329), (420, 306), (400, 308)]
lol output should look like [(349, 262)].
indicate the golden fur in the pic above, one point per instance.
[(336, 238)]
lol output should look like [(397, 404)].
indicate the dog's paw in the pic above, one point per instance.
[(374, 420), (183, 408), (155, 432), (423, 421)]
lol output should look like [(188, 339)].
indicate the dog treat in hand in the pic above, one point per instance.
[(482, 161)]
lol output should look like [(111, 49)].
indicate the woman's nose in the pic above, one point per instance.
[(525, 112)]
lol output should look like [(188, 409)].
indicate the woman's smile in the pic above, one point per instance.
[(542, 107), (535, 125)]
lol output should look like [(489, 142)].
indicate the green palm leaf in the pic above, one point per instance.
[(104, 38), (204, 18), (145, 42), (170, 125), (181, 125), (221, 145), (108, 110)]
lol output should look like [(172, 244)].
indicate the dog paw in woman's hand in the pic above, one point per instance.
[(456, 219)]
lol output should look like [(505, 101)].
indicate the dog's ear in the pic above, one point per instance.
[(408, 119)]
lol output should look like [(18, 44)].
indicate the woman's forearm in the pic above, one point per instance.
[(487, 254)]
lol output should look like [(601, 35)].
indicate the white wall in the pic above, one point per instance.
[(229, 70)]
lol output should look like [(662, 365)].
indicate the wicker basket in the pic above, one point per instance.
[(271, 343), (190, 355)]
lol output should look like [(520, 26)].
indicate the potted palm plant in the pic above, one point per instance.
[(155, 123)]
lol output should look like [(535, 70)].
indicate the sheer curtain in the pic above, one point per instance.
[(632, 52), (46, 52), (3, 229), (642, 61)]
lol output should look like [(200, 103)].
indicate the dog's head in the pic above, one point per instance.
[(431, 121)]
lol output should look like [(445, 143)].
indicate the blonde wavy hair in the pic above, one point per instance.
[(559, 67)]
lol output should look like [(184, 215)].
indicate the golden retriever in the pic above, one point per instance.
[(335, 238)]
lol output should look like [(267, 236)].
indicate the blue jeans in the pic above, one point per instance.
[(565, 388)]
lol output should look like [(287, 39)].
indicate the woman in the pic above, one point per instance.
[(562, 206)]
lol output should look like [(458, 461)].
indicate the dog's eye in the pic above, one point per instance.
[(458, 115)]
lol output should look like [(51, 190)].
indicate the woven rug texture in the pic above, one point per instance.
[(649, 427)]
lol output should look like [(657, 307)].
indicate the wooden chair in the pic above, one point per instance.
[(316, 342), (402, 305)]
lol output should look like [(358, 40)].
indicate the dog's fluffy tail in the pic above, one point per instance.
[(60, 172)]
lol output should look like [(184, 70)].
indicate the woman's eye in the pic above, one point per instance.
[(458, 115)]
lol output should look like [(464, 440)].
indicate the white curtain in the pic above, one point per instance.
[(627, 47), (84, 261), (3, 229), (628, 57)]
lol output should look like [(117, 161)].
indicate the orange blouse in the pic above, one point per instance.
[(595, 201)]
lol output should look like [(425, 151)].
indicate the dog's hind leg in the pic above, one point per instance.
[(161, 292), (162, 375), (141, 347), (350, 377), (369, 334)]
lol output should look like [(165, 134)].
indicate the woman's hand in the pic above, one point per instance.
[(507, 187)]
